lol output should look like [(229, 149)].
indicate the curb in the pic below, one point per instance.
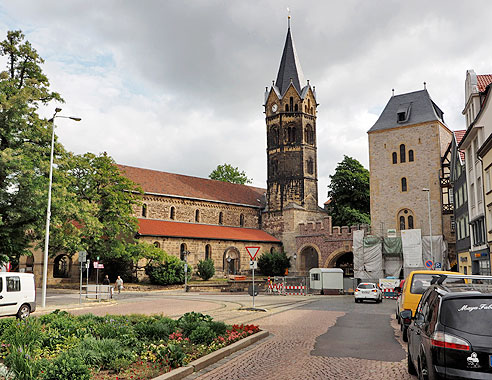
[(214, 357)]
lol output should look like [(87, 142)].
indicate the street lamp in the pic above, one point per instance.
[(48, 210), (430, 221), (295, 262)]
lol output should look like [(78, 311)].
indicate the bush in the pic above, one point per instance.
[(104, 353), (64, 367), (273, 264), (190, 321), (206, 269), (169, 272), (202, 334), (155, 330)]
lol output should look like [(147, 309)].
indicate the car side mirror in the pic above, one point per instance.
[(419, 317)]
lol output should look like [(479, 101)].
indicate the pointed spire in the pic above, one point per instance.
[(290, 68)]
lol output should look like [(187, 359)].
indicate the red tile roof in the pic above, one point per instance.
[(459, 136), (153, 181), (483, 81), (149, 227)]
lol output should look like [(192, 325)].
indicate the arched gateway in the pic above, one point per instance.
[(308, 258)]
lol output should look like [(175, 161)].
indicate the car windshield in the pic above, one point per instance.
[(421, 281), (366, 286), (472, 315)]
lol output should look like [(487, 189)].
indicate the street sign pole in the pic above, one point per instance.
[(253, 251), (82, 257), (253, 285)]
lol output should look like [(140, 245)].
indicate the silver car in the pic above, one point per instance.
[(368, 291)]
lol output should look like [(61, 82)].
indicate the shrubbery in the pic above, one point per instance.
[(273, 264), (205, 269), (62, 346), (169, 272)]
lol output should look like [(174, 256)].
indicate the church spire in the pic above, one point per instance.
[(290, 67)]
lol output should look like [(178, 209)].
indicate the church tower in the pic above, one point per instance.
[(290, 109)]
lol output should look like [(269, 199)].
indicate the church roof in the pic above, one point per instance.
[(163, 183), (150, 227), (408, 109), (290, 68), (483, 81)]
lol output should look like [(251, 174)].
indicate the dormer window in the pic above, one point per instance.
[(403, 112)]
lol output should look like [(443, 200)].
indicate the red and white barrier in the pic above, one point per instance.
[(390, 293), (301, 290)]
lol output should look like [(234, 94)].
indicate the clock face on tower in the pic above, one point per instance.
[(274, 107)]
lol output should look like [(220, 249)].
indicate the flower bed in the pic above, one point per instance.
[(62, 346)]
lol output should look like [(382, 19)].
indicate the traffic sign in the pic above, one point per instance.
[(438, 265), (82, 256), (252, 251), (429, 264), (253, 264)]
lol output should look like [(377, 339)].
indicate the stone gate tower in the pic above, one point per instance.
[(290, 108)]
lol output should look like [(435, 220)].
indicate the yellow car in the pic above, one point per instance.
[(415, 285)]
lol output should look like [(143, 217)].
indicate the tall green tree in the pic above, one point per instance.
[(349, 194), (24, 145), (228, 173)]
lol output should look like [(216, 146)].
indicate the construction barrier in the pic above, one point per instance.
[(287, 286), (390, 293)]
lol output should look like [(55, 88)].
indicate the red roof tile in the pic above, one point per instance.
[(153, 181), (459, 136), (483, 81), (149, 227)]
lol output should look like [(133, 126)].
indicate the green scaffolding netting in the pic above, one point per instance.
[(392, 246)]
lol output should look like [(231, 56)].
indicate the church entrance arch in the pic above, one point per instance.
[(342, 258), (308, 258), (231, 261)]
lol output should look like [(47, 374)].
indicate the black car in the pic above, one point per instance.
[(450, 336)]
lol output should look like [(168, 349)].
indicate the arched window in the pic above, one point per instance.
[(402, 223), (410, 222), (291, 134), (273, 136), (61, 267), (410, 155), (286, 108), (312, 111), (395, 158), (402, 153), (144, 210), (183, 252), (221, 217), (241, 220), (403, 184), (310, 166), (197, 216), (272, 250), (305, 108), (291, 100), (208, 252), (172, 214), (296, 108), (157, 244), (309, 135)]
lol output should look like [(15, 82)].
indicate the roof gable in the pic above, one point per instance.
[(483, 81), (417, 107), (163, 183)]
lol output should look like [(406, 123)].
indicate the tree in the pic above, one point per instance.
[(205, 269), (274, 263), (349, 194), (25, 143), (228, 173)]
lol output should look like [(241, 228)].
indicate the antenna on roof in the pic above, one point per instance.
[(392, 92), (288, 17), (425, 86)]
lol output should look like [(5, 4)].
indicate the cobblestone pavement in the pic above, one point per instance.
[(287, 354)]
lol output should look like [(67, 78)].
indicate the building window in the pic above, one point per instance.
[(479, 189), (241, 220), (157, 244), (309, 135), (286, 108), (410, 222), (410, 155), (172, 214), (291, 134), (291, 102), (402, 153), (472, 195), (487, 180), (406, 220), (296, 108), (310, 166), (182, 252), (403, 184), (395, 158), (401, 116), (402, 223), (221, 217), (144, 210), (197, 216), (208, 252)]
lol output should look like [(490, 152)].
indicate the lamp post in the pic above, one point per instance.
[(295, 262), (430, 221), (48, 210)]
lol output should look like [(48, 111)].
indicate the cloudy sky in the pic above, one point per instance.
[(178, 85)]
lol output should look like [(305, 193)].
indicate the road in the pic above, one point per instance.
[(313, 337)]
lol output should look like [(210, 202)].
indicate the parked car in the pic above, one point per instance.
[(398, 290), (17, 294), (415, 285), (368, 291), (450, 335)]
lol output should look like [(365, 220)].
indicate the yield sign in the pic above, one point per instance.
[(253, 251)]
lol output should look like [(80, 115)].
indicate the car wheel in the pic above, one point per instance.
[(24, 312), (410, 367), (405, 333)]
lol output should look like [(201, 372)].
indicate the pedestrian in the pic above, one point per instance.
[(119, 284), (106, 280)]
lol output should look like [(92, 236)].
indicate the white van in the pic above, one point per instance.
[(17, 294)]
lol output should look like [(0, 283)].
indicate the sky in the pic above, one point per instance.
[(178, 86)]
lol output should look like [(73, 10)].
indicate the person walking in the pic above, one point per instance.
[(106, 280), (119, 284)]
